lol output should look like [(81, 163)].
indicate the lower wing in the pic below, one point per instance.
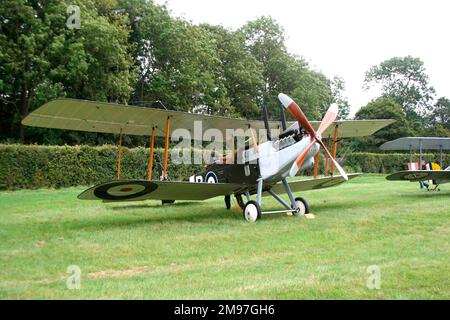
[(420, 175), (135, 190), (138, 190), (312, 184)]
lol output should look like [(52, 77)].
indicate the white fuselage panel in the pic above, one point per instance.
[(275, 165)]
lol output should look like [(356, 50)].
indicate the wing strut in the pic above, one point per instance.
[(327, 158), (421, 156), (316, 165), (150, 160), (166, 149), (119, 157), (335, 140)]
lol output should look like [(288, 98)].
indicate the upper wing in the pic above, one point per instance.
[(420, 175), (112, 118), (351, 128), (133, 190), (416, 143), (311, 184)]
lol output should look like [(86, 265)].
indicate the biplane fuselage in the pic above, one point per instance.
[(266, 161)]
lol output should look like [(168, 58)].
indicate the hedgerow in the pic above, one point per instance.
[(34, 166)]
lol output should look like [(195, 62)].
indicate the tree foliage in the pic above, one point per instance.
[(405, 80), (406, 97), (383, 108), (43, 59), (135, 52)]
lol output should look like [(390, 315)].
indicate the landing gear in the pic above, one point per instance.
[(252, 211), (228, 201), (303, 207), (239, 201)]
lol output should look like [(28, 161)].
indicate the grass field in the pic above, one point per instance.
[(197, 250)]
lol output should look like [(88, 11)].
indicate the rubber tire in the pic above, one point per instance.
[(304, 207), (254, 215)]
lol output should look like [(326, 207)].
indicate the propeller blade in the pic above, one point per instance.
[(296, 166), (328, 119), (337, 165), (296, 112)]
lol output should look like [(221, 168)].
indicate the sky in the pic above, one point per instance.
[(344, 37)]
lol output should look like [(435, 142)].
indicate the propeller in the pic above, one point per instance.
[(316, 136)]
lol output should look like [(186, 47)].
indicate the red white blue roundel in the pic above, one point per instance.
[(124, 190), (211, 177)]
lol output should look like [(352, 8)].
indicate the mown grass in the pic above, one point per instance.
[(198, 250)]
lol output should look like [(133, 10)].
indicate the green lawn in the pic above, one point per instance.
[(197, 250)]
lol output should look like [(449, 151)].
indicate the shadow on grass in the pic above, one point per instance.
[(163, 218), (151, 206), (427, 194)]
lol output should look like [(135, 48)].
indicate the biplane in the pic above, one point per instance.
[(422, 171), (264, 168)]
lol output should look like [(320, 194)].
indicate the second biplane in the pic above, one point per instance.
[(264, 170), (421, 171)]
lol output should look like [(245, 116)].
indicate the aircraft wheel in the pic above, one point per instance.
[(303, 206), (252, 211)]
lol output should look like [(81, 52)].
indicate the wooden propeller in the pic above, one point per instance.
[(315, 136)]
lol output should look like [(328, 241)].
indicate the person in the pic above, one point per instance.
[(423, 184)]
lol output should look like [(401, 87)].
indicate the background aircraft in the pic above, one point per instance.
[(264, 171), (421, 171)]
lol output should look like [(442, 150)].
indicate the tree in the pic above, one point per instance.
[(133, 51), (283, 72), (404, 79), (43, 59), (384, 108), (264, 39), (337, 88), (441, 113), (312, 92), (437, 122), (239, 70)]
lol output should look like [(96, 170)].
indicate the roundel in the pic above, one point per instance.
[(124, 190), (211, 177)]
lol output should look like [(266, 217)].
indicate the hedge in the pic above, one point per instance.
[(387, 162), (30, 167)]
